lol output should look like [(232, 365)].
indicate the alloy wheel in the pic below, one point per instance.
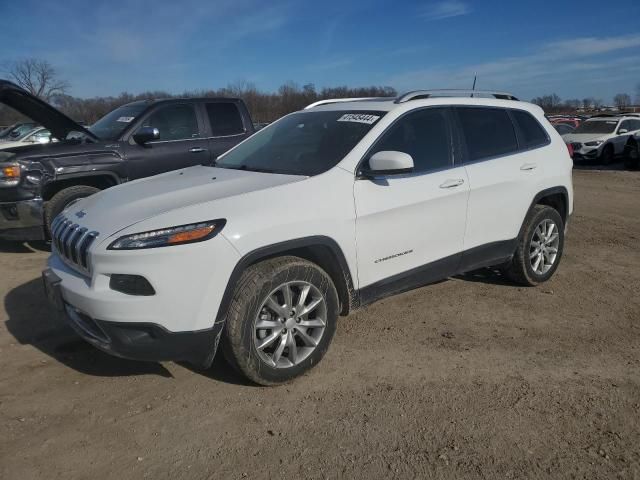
[(543, 249), (290, 324)]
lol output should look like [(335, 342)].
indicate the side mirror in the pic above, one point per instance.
[(623, 130), (146, 134), (389, 163)]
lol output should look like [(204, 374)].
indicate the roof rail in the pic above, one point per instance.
[(340, 100), (422, 94)]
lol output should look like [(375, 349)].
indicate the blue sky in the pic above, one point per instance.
[(573, 48)]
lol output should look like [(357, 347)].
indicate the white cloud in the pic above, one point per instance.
[(568, 63), (445, 9)]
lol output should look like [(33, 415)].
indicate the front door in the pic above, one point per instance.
[(410, 227), (181, 144)]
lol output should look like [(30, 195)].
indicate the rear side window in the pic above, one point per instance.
[(488, 132), (531, 132), (225, 119), (424, 135)]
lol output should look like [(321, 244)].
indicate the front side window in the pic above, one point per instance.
[(531, 133), (424, 135), (597, 126), (42, 136), (303, 143), (225, 119), (174, 122), (113, 124), (488, 132)]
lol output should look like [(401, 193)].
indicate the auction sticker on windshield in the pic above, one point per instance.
[(359, 118), (126, 119)]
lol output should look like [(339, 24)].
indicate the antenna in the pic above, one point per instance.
[(475, 77)]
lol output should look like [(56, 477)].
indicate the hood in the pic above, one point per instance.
[(118, 207), (39, 111), (584, 137)]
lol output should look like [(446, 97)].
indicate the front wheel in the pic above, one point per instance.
[(281, 320), (607, 155), (539, 248), (631, 154), (62, 199)]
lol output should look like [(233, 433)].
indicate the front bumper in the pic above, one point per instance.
[(586, 154), (22, 220), (135, 340)]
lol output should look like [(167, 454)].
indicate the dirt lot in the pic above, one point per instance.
[(469, 378)]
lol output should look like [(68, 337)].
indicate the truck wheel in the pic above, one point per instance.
[(539, 248), (280, 321), (606, 157), (63, 198)]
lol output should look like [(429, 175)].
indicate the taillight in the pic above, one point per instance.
[(570, 148)]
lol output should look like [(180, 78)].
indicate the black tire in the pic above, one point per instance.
[(520, 269), (607, 155), (631, 154), (255, 285), (63, 198)]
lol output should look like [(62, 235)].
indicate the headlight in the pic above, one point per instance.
[(165, 237), (10, 175), (596, 143)]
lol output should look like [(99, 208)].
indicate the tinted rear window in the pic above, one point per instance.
[(531, 132), (488, 132), (225, 119)]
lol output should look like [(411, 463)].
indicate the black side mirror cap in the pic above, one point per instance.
[(145, 135)]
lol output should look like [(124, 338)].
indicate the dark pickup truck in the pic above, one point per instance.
[(136, 140)]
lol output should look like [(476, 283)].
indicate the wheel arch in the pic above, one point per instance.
[(323, 251), (554, 197), (99, 180)]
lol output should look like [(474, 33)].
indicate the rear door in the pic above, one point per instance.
[(181, 144), (504, 164), (410, 227), (226, 126)]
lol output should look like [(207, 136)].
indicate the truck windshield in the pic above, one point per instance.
[(303, 143), (597, 126), (111, 126)]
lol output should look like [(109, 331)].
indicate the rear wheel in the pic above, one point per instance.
[(539, 248), (281, 320), (62, 199)]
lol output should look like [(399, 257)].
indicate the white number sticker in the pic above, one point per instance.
[(359, 118), (125, 119)]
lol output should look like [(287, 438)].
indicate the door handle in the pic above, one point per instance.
[(452, 183), (528, 166), (197, 150)]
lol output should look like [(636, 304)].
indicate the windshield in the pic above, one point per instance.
[(304, 143), (111, 126), (597, 126)]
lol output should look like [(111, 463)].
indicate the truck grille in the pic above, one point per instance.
[(72, 242)]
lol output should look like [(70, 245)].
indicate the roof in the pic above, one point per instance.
[(154, 101), (424, 97)]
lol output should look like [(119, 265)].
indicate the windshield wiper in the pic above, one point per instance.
[(248, 168)]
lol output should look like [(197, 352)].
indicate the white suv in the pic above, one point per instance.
[(602, 137), (322, 212)]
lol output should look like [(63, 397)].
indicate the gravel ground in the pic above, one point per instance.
[(468, 378)]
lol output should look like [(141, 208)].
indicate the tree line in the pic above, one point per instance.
[(41, 79)]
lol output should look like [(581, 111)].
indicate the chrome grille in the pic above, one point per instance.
[(72, 242)]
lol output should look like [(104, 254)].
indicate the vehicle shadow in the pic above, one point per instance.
[(617, 166), (32, 322), (220, 371), (24, 247), (488, 275)]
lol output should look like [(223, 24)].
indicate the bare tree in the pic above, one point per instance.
[(38, 77), (622, 100)]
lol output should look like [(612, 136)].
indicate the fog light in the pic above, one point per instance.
[(131, 285)]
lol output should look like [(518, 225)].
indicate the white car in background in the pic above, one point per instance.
[(36, 135), (602, 137)]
